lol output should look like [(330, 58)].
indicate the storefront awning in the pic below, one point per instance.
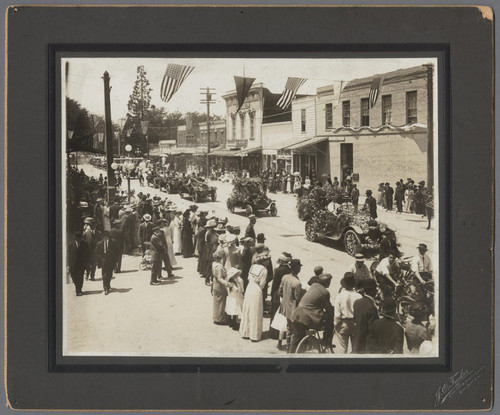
[(178, 150), (225, 153), (308, 145), (247, 151), (282, 145)]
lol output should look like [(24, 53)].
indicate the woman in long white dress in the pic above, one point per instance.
[(176, 232), (252, 315), (167, 230)]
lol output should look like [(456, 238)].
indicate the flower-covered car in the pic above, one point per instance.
[(249, 194), (330, 214), (197, 189)]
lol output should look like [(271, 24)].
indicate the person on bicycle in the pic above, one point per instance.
[(314, 311), (387, 273), (421, 265)]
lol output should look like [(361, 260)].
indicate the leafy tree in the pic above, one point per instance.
[(140, 99)]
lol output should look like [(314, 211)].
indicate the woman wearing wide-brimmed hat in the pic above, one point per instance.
[(253, 308), (219, 290)]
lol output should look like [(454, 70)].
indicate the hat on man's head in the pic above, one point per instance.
[(284, 259), (161, 221), (252, 216), (99, 200), (372, 222), (324, 279), (262, 256), (89, 221), (348, 281), (147, 217), (368, 192), (295, 262), (84, 204), (318, 270), (417, 309), (193, 207), (359, 257), (156, 229), (261, 237), (389, 306), (220, 228), (422, 246), (211, 224), (236, 230), (368, 284)]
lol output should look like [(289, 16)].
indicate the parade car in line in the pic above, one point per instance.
[(197, 189), (340, 222), (249, 194), (170, 184)]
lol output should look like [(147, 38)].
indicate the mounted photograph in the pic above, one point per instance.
[(250, 207)]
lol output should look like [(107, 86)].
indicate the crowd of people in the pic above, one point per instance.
[(239, 270)]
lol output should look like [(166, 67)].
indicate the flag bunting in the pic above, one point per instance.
[(375, 89), (243, 85), (291, 88), (173, 79)]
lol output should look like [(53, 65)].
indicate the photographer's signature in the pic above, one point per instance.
[(459, 382)]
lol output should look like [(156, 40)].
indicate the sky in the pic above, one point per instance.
[(85, 84)]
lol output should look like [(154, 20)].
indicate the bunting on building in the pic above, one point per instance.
[(375, 89), (243, 85), (291, 87), (175, 75), (338, 86)]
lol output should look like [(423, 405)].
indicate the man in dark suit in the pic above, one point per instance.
[(91, 236), (389, 196), (145, 232), (117, 235), (365, 313), (107, 254), (113, 211), (250, 231), (371, 204), (211, 245), (166, 258), (157, 252), (127, 227), (388, 335), (314, 311), (78, 253), (399, 196)]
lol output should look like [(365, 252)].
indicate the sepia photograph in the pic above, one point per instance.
[(250, 207)]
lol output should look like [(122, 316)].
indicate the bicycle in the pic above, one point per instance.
[(312, 343)]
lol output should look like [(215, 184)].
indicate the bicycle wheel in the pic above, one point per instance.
[(308, 344)]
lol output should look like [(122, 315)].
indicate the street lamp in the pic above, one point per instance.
[(128, 166)]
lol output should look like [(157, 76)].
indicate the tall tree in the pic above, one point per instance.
[(140, 99)]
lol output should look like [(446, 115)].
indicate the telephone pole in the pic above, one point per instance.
[(208, 94), (109, 138), (430, 126)]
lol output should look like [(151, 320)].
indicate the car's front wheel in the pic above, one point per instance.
[(351, 242)]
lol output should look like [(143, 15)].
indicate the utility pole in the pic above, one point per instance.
[(109, 138), (430, 126), (208, 93)]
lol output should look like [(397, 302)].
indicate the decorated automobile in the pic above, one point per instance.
[(197, 189), (171, 184), (330, 214), (249, 194)]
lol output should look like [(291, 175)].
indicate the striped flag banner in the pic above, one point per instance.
[(375, 89), (173, 79), (291, 88)]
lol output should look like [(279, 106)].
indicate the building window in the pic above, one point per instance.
[(328, 116), (365, 112), (411, 107), (233, 127), (242, 124), (346, 113), (386, 109), (303, 120), (252, 125)]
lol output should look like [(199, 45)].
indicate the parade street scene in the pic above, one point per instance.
[(250, 207)]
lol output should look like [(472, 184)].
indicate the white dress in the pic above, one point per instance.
[(170, 248), (176, 235), (252, 315)]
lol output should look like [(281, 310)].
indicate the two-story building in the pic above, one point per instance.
[(381, 144)]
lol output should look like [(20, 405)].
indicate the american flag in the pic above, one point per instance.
[(173, 79), (291, 88), (375, 89)]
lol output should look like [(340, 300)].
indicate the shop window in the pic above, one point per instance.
[(328, 115), (303, 120), (386, 109), (346, 113), (365, 112), (411, 107)]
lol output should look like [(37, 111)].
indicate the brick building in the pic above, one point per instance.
[(385, 143)]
